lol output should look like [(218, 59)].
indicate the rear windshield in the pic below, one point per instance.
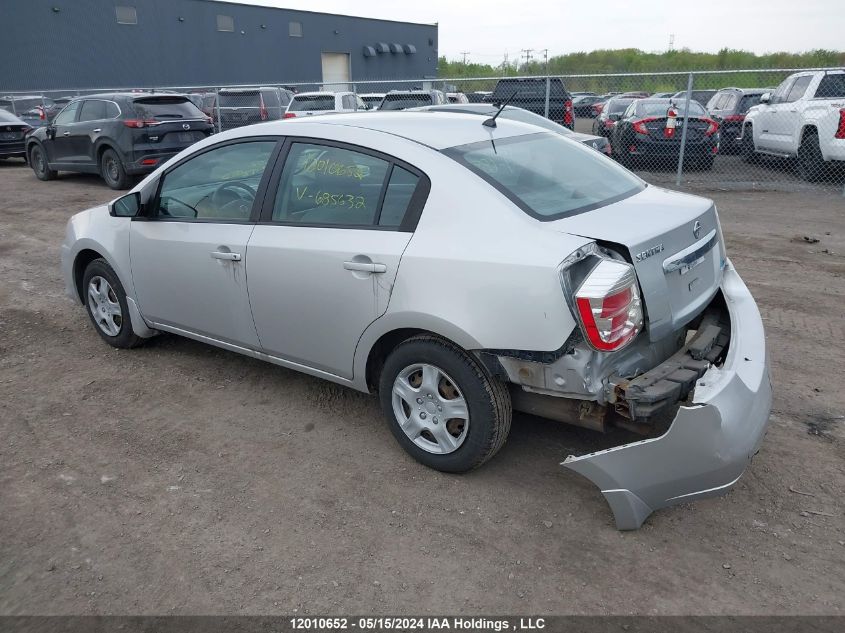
[(748, 101), (313, 102), (659, 108), (530, 89), (615, 106), (401, 102), (20, 105), (831, 87), (546, 175), (371, 100), (239, 99), (164, 108)]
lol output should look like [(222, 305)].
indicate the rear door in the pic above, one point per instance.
[(189, 254), (323, 260), (786, 126), (87, 129)]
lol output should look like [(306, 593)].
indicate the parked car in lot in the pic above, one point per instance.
[(117, 135), (728, 108), (583, 105), (403, 99), (701, 96), (32, 109), (372, 99), (479, 96), (530, 93), (803, 118), (610, 113), (514, 113), (57, 106), (456, 97), (13, 132), (662, 95), (245, 106), (311, 103), (650, 130), (480, 269)]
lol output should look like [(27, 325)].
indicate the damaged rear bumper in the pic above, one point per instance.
[(710, 442)]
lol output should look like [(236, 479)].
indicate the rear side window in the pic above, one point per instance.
[(397, 198), (92, 110), (286, 97), (329, 185), (219, 184), (271, 98), (831, 87), (164, 108), (301, 103), (568, 179)]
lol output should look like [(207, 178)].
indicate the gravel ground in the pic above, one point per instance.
[(179, 478)]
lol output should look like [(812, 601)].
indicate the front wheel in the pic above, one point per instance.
[(442, 406), (112, 170), (749, 154), (105, 300)]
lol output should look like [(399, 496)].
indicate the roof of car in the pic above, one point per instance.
[(448, 130), (321, 93)]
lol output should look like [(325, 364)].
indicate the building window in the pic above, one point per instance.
[(295, 29), (126, 15), (226, 23)]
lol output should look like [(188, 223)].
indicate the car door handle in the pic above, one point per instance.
[(365, 267), (230, 257), (65, 133), (96, 129)]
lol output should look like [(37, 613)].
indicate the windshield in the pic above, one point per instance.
[(402, 102), (548, 176), (167, 108), (748, 101), (312, 102), (659, 108)]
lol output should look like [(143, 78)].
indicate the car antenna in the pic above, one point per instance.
[(491, 122)]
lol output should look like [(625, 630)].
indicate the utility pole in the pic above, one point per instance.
[(545, 52), (671, 41), (527, 53), (465, 53)]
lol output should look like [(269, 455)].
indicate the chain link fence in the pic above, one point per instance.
[(717, 130)]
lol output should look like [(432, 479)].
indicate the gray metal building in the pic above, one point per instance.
[(78, 44)]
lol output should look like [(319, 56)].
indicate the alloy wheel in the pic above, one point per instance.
[(104, 306)]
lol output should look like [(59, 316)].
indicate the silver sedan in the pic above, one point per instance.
[(460, 267)]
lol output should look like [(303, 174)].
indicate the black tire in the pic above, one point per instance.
[(811, 165), (38, 161), (487, 399), (112, 170), (746, 148), (125, 337)]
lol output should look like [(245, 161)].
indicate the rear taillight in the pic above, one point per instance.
[(139, 123), (289, 115), (639, 126), (567, 112), (712, 127), (737, 118), (609, 305), (840, 131), (262, 109)]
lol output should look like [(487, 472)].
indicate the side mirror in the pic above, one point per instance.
[(766, 97), (126, 207)]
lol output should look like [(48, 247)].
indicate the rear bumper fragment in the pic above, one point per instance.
[(709, 443)]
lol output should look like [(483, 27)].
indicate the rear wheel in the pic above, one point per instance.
[(442, 406), (811, 166), (38, 160), (112, 171)]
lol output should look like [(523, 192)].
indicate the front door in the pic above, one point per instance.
[(189, 252), (60, 149), (324, 259)]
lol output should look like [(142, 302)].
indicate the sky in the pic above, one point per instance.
[(488, 29)]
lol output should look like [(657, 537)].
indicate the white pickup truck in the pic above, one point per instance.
[(803, 118)]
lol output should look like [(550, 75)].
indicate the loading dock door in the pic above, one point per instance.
[(336, 71)]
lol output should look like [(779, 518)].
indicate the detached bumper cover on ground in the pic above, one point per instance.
[(709, 444)]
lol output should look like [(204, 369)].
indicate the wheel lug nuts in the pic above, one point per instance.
[(422, 415), (430, 396), (435, 420), (439, 408), (419, 400)]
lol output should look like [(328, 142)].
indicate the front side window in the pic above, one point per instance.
[(219, 184), (782, 90), (68, 115), (329, 186), (548, 176), (799, 88)]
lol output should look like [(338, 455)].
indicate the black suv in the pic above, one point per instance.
[(728, 108), (116, 135), (530, 94), (245, 106)]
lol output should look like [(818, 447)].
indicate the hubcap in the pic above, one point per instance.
[(111, 169), (104, 306), (430, 408)]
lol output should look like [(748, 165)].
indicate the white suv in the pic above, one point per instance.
[(804, 118), (311, 103)]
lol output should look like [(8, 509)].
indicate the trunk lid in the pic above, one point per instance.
[(673, 241)]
